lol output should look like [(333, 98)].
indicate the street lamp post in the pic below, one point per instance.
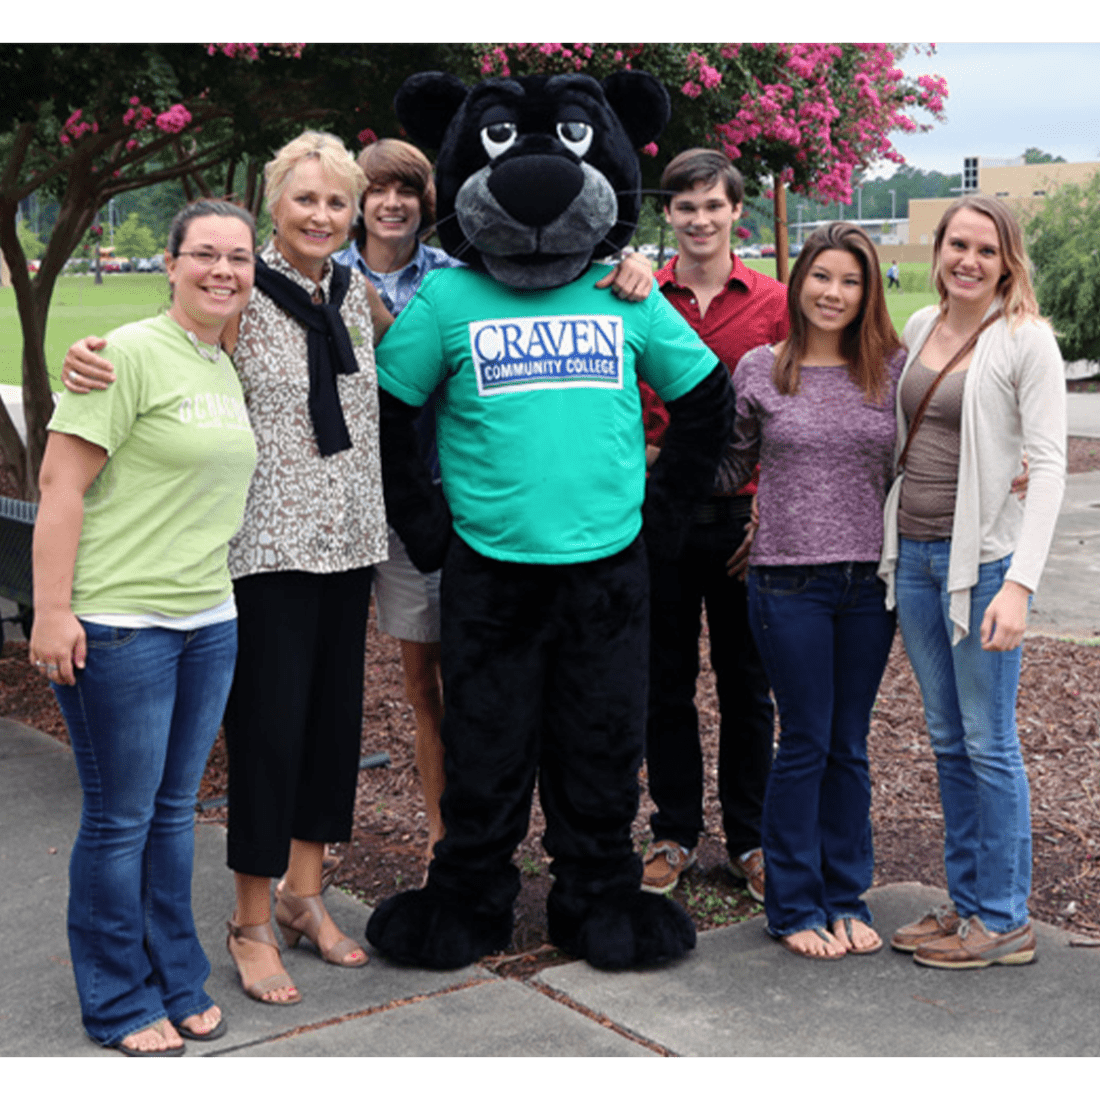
[(893, 204)]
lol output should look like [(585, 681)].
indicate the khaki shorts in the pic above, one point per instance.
[(406, 600)]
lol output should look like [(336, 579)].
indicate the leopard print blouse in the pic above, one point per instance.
[(305, 512)]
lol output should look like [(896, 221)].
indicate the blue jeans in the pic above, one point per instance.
[(824, 634), (970, 708), (142, 717)]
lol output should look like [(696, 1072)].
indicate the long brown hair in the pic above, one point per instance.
[(868, 341), (1015, 286)]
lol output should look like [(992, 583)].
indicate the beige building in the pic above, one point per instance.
[(1023, 186)]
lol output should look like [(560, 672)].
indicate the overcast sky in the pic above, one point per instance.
[(1005, 97)]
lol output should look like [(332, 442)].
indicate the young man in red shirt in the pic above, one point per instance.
[(733, 309)]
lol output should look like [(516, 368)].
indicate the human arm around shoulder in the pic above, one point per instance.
[(84, 370), (631, 278), (69, 467)]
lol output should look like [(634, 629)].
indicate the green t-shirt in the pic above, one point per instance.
[(158, 518), (539, 417)]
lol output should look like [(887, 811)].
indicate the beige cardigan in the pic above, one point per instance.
[(1014, 400)]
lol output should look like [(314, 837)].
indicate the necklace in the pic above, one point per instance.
[(210, 353)]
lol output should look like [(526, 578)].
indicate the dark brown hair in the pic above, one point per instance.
[(392, 161), (868, 341), (707, 166), (205, 208)]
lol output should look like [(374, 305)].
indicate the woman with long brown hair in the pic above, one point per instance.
[(817, 411), (984, 382)]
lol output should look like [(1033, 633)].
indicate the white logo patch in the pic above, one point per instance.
[(546, 353)]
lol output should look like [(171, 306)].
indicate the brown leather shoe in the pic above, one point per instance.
[(934, 925), (974, 946), (751, 869), (665, 861)]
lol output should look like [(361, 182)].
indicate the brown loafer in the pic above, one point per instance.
[(973, 946), (934, 925)]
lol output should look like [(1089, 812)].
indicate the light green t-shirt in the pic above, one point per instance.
[(158, 518), (539, 420)]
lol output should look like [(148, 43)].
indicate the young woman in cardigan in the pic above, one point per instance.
[(964, 555)]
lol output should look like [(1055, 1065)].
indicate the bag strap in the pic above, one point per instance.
[(922, 408)]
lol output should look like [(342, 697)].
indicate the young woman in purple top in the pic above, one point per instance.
[(817, 411)]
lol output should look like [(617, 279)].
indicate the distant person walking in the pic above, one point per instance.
[(892, 279)]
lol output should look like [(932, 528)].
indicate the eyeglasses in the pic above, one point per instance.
[(207, 257)]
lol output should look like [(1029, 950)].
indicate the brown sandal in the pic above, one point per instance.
[(260, 933), (298, 917)]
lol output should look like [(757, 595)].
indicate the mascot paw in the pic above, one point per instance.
[(623, 930), (423, 928)]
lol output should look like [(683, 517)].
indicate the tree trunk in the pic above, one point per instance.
[(32, 298), (782, 245)]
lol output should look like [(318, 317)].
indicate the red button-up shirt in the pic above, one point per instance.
[(750, 310)]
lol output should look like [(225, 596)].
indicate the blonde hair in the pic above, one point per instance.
[(328, 150), (1020, 303)]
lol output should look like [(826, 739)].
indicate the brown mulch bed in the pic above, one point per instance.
[(1059, 722)]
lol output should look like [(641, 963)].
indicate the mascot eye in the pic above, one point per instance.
[(575, 136), (497, 137)]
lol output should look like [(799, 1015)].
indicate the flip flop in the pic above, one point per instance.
[(824, 935), (133, 1052), (216, 1032), (853, 950)]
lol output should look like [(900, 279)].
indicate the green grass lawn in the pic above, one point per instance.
[(916, 290), (79, 308)]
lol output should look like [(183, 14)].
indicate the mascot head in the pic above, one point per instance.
[(535, 174)]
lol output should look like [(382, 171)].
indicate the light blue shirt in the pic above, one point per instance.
[(396, 288)]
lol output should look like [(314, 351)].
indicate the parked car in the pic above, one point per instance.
[(795, 249), (767, 250), (748, 252)]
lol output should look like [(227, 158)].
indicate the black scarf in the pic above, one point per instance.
[(329, 346)]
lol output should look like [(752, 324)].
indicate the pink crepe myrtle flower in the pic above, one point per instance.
[(367, 136), (174, 120), (650, 150)]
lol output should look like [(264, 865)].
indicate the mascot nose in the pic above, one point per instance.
[(536, 189)]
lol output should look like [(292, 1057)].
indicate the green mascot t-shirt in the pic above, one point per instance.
[(539, 417)]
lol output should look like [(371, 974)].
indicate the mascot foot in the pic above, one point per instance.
[(622, 930), (424, 928)]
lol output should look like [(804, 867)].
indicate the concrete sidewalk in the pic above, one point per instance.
[(738, 993)]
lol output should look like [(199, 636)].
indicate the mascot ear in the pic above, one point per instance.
[(641, 102), (426, 103)]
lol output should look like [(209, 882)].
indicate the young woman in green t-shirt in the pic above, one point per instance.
[(147, 482)]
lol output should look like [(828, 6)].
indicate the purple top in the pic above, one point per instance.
[(826, 461)]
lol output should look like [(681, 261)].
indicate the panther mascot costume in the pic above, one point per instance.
[(539, 524)]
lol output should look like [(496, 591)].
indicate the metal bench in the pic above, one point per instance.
[(16, 532)]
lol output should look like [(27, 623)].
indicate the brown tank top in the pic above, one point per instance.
[(926, 510)]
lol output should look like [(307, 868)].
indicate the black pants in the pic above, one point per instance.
[(294, 719), (674, 760), (544, 673)]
